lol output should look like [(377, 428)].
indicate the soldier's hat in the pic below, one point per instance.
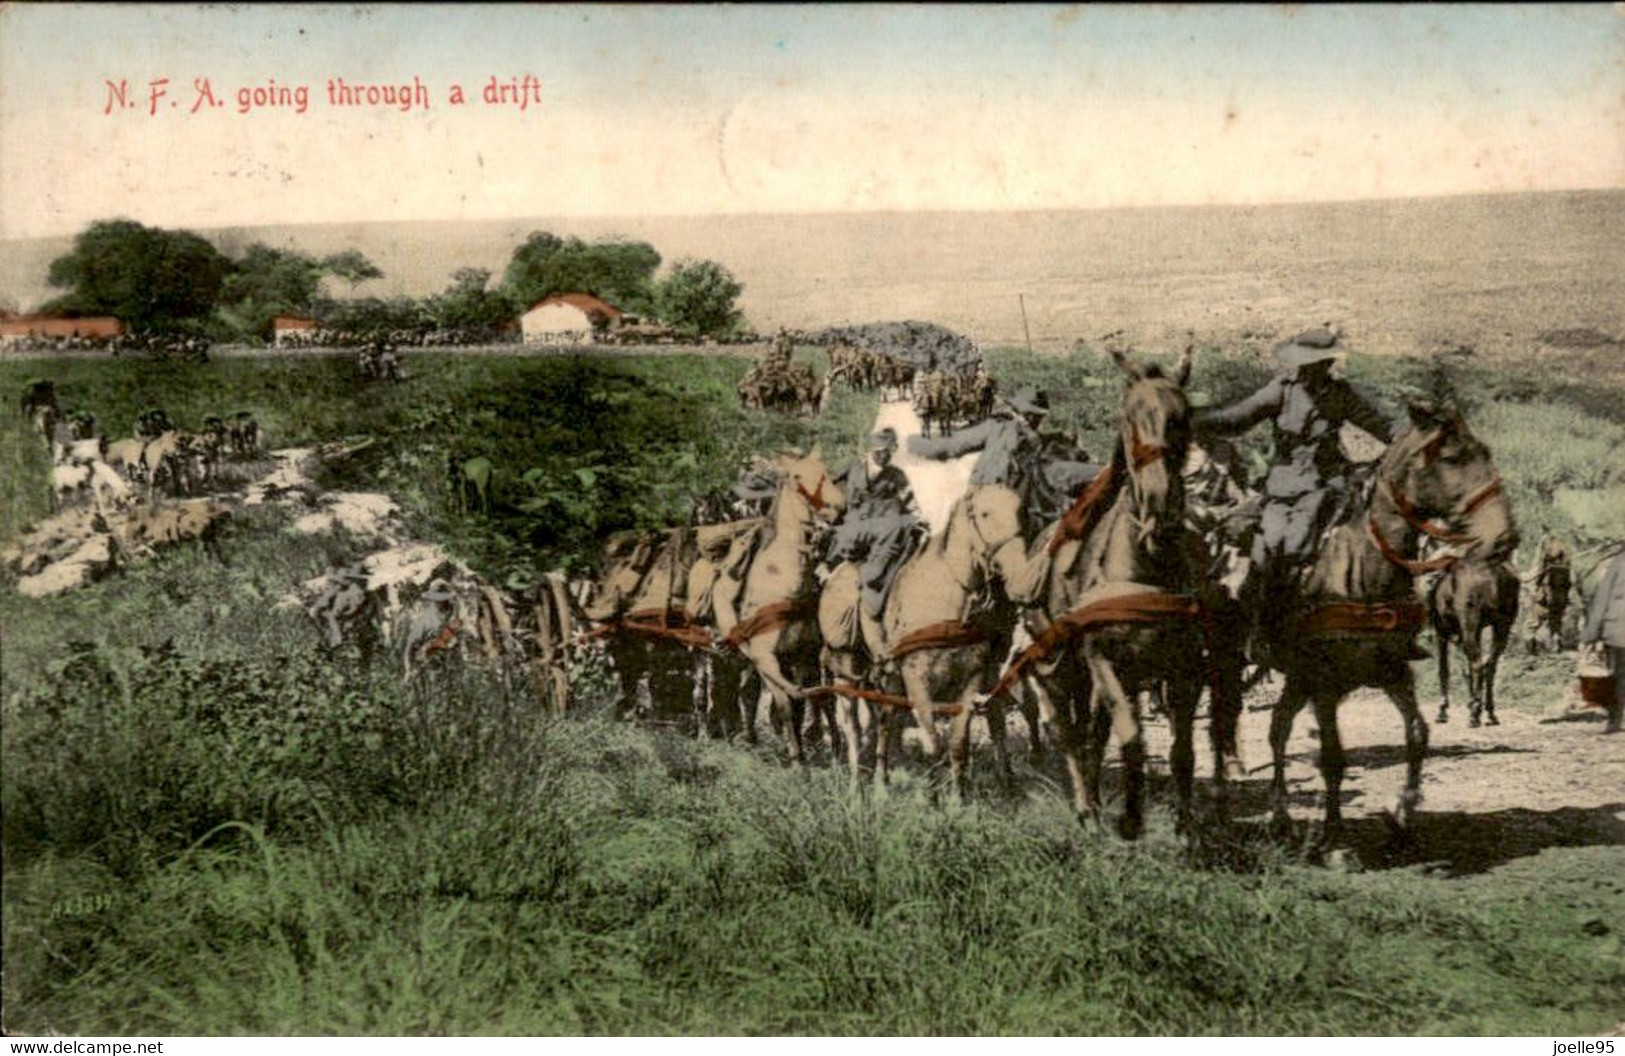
[(1030, 400), (1311, 346), (884, 440)]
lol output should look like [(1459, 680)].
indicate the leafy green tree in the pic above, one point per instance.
[(351, 266), (370, 314), (700, 297), (269, 282), (619, 272), (149, 278), (468, 303)]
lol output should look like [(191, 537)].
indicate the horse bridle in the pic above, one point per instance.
[(815, 497), (1412, 514), (1140, 455)]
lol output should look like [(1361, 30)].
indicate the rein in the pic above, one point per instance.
[(1080, 518), (1392, 555)]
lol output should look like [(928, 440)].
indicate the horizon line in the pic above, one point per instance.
[(749, 214)]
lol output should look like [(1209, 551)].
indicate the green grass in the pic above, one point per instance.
[(210, 826), (582, 446), (454, 862)]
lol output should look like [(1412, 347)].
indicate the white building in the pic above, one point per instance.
[(567, 319)]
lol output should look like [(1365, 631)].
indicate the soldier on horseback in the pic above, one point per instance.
[(881, 512), (1306, 404), (1045, 468)]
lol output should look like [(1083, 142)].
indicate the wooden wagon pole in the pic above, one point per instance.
[(1021, 299)]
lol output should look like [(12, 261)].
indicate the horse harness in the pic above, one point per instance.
[(1413, 516), (1407, 617)]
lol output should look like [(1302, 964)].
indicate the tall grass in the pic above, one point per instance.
[(509, 872)]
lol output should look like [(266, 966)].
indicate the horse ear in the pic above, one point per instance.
[(1182, 370), (1122, 360)]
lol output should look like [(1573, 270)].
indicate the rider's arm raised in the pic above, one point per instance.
[(963, 442), (1243, 415), (1357, 409)]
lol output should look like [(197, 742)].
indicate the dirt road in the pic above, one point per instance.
[(1490, 795)]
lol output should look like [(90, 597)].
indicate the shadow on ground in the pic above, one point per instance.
[(1458, 843)]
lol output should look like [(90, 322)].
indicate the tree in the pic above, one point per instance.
[(269, 282), (467, 304), (699, 296), (365, 315), (619, 272), (149, 278), (351, 266)]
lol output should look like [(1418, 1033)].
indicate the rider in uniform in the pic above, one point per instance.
[(1553, 578), (1046, 469), (1306, 405), (881, 512)]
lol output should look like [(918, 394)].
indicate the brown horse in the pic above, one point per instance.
[(1470, 598), (1125, 604), (774, 624), (1354, 620)]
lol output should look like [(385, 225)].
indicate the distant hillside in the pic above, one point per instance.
[(1493, 271)]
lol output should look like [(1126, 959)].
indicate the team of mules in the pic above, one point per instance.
[(1118, 598)]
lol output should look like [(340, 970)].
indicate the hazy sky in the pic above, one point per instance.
[(709, 109)]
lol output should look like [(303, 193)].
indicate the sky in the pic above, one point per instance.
[(695, 110)]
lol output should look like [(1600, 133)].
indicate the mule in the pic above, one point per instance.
[(1471, 598), (1352, 623), (1126, 607), (940, 633), (638, 603), (774, 625)]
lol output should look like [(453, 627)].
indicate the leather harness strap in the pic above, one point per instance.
[(1394, 557), (1413, 517), (1142, 454), (1481, 496), (815, 497), (891, 700), (768, 618), (948, 634), (1080, 518), (673, 624), (1148, 607), (447, 635)]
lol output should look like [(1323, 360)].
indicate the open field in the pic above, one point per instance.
[(213, 826), (1401, 276)]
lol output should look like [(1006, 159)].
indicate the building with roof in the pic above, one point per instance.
[(46, 327), (288, 329), (568, 319)]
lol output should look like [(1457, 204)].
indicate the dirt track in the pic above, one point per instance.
[(1490, 795)]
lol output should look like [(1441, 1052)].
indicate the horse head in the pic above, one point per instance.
[(1154, 436), (981, 523), (805, 484), (1437, 470)]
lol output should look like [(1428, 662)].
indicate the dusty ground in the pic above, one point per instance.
[(1490, 795)]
